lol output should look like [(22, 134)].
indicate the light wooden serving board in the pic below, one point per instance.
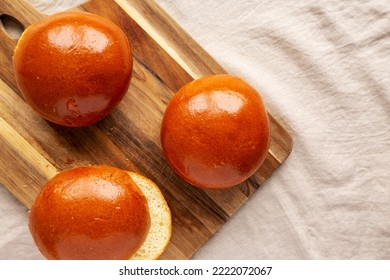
[(165, 58)]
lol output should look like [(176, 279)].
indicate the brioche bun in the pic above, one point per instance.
[(73, 68), (100, 212), (215, 132)]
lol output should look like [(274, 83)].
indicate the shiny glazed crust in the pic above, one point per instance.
[(215, 132), (94, 212), (73, 68)]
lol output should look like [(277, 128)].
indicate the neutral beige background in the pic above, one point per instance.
[(323, 68)]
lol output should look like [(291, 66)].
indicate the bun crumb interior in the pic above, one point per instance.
[(160, 220)]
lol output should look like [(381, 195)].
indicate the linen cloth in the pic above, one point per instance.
[(323, 68)]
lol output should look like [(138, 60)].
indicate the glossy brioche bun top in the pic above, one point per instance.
[(215, 132), (99, 212), (73, 68)]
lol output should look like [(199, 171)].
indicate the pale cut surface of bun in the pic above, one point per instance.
[(160, 231)]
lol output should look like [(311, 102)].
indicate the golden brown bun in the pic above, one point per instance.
[(73, 68), (98, 212), (215, 132)]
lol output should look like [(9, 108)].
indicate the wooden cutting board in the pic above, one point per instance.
[(165, 58)]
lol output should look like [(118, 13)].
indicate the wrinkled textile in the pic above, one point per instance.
[(323, 68)]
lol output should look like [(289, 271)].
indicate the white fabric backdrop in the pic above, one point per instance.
[(323, 68)]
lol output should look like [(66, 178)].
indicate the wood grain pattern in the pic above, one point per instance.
[(165, 58)]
